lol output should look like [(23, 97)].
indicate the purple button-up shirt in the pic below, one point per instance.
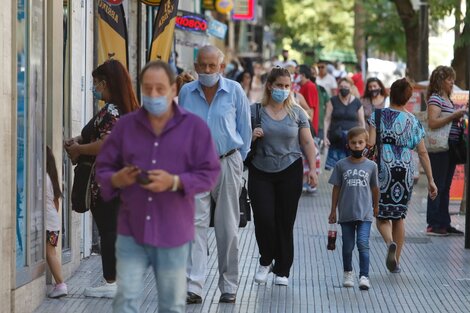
[(184, 148)]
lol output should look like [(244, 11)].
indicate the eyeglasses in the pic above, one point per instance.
[(321, 66)]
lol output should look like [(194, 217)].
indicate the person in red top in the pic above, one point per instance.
[(358, 80), (308, 89)]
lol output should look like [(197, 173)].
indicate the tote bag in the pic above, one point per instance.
[(436, 140)]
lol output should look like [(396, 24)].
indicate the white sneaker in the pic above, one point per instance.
[(364, 283), (108, 290), (348, 280), (60, 290), (281, 281), (261, 276)]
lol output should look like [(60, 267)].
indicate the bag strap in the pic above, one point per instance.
[(258, 115), (378, 139)]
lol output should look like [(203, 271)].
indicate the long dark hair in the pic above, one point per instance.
[(119, 85), (368, 94), (51, 170)]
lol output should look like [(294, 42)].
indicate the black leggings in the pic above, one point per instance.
[(274, 198), (105, 216)]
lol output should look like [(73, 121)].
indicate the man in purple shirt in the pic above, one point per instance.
[(156, 159)]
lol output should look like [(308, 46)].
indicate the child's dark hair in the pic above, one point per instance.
[(51, 170), (357, 131)]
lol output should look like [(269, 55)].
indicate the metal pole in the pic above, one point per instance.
[(467, 167), (424, 39)]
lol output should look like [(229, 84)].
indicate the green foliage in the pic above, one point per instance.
[(309, 24), (383, 28)]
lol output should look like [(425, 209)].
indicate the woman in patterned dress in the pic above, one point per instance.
[(400, 133), (111, 84)]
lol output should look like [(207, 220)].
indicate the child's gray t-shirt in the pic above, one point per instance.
[(355, 196)]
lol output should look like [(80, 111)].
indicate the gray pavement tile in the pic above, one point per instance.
[(435, 276)]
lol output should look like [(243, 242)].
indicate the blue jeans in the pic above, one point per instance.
[(349, 230), (443, 169), (169, 267)]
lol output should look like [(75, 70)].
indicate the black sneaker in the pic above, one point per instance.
[(454, 231), (192, 298), (434, 231)]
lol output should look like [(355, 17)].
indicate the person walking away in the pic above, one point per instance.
[(343, 112), (358, 80), (112, 84), (53, 223), (443, 164), (308, 89), (275, 175), (400, 133), (375, 97), (225, 107), (156, 181), (356, 196)]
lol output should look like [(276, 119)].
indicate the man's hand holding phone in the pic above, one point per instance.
[(125, 176), (160, 181)]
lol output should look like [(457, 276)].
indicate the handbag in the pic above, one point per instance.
[(373, 153), (436, 140), (80, 188), (252, 152), (458, 149), (245, 207)]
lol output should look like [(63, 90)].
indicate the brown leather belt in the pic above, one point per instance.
[(228, 153)]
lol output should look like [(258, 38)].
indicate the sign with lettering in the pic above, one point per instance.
[(191, 22), (217, 29), (163, 30), (244, 10), (224, 6)]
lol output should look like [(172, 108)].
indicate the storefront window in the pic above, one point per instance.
[(30, 235)]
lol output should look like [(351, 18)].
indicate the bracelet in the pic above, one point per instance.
[(176, 180)]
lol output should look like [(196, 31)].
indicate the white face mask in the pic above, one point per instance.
[(209, 80)]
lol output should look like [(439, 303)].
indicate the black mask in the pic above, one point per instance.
[(375, 92), (344, 92), (357, 154)]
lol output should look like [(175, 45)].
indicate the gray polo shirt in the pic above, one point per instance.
[(280, 146), (355, 196)]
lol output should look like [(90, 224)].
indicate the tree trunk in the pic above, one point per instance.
[(410, 22), (461, 54), (359, 34)]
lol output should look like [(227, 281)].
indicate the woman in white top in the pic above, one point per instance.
[(53, 225)]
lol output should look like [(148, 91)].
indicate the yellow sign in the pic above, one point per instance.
[(163, 30), (151, 2), (224, 6)]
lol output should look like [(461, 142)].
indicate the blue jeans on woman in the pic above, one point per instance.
[(443, 168), (349, 230), (169, 268)]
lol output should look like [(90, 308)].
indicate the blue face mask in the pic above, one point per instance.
[(98, 95), (155, 105), (280, 95), (209, 80)]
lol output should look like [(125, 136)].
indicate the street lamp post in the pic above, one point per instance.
[(467, 167)]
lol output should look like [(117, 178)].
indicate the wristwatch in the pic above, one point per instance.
[(176, 180)]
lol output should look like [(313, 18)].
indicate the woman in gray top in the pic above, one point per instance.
[(276, 172)]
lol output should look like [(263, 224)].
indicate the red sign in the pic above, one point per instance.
[(244, 10), (191, 23), (113, 2)]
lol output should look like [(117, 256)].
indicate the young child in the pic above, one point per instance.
[(53, 225), (356, 194)]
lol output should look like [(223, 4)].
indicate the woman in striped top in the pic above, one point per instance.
[(443, 166)]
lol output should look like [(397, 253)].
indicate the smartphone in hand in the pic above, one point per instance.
[(143, 178)]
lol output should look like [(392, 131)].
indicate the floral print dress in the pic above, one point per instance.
[(104, 123), (400, 133)]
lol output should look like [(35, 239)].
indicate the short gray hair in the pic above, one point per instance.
[(212, 49)]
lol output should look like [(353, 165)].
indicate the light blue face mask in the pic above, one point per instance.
[(209, 80), (280, 95), (98, 95), (155, 105)]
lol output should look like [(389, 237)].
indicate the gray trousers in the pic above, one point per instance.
[(226, 220)]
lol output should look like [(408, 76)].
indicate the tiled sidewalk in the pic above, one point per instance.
[(435, 276)]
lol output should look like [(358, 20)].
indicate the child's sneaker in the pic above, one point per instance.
[(348, 280), (60, 290), (364, 283)]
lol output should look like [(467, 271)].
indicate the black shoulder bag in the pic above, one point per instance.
[(256, 124)]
